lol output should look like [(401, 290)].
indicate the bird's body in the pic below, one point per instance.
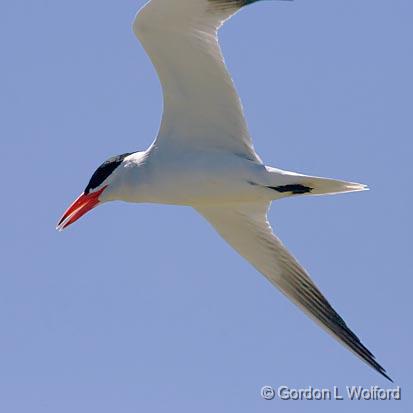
[(190, 178), (203, 156), (194, 178)]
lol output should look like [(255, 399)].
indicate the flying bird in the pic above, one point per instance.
[(203, 156)]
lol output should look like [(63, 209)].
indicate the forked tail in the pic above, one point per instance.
[(293, 183)]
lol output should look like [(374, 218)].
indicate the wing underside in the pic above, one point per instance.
[(201, 107), (247, 230)]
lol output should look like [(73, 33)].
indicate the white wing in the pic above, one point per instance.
[(246, 228), (201, 107)]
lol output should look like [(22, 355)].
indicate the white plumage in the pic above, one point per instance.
[(203, 155)]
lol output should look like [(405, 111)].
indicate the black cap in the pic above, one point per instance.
[(105, 170)]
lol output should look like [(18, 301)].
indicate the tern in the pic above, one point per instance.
[(203, 156)]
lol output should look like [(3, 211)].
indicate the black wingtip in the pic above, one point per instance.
[(383, 373), (376, 366)]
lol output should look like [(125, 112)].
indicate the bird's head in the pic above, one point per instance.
[(100, 188)]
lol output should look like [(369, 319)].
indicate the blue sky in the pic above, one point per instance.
[(144, 307)]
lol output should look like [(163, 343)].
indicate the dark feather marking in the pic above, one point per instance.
[(105, 170), (294, 189), (227, 4)]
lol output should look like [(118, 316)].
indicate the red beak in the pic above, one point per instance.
[(84, 203)]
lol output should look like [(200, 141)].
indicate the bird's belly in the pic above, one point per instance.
[(199, 183), (192, 191)]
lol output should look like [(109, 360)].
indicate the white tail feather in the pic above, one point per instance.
[(323, 186), (318, 185)]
